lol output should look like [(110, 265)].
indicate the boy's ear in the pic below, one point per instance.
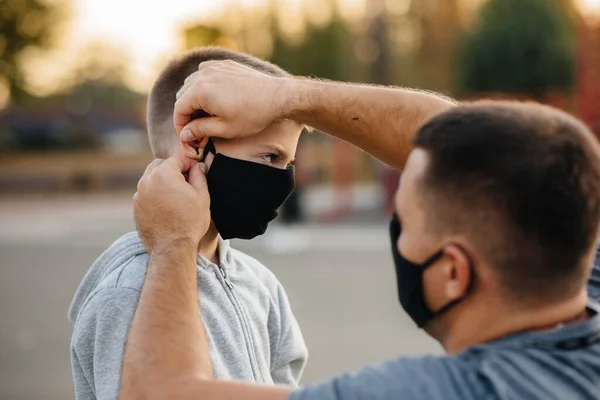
[(186, 150)]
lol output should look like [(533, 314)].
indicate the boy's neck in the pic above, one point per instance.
[(209, 245)]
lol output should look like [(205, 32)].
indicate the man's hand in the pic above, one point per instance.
[(241, 100), (167, 209)]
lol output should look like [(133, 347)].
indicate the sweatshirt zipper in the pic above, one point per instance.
[(243, 323), (226, 278)]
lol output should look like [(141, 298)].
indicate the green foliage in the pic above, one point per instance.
[(103, 94), (23, 24), (325, 52), (201, 35), (524, 46)]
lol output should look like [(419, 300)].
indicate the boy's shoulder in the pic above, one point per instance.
[(121, 266), (124, 264), (130, 264)]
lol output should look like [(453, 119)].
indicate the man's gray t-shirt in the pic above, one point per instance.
[(562, 364)]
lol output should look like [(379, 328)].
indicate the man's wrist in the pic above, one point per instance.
[(179, 244), (296, 98)]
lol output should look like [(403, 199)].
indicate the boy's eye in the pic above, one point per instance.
[(270, 158)]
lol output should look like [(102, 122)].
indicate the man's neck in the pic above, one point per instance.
[(490, 323), (209, 245)]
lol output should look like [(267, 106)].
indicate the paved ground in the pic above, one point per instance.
[(341, 288)]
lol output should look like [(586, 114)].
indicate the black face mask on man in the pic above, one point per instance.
[(409, 276), (244, 195)]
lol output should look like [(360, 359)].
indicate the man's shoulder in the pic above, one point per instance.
[(594, 279), (429, 377), (413, 369)]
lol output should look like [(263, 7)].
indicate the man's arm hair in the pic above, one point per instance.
[(198, 388), (380, 120), (167, 342)]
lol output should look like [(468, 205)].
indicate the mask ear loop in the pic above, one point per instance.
[(454, 302), (209, 148)]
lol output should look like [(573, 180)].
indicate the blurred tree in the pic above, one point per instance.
[(519, 46), (23, 24), (439, 22), (201, 35), (99, 79), (325, 52), (588, 72), (103, 93), (378, 33)]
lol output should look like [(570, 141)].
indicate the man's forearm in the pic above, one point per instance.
[(166, 341), (380, 120)]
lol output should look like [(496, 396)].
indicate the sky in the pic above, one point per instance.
[(591, 6), (147, 31)]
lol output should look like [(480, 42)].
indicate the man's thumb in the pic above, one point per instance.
[(197, 177), (201, 128)]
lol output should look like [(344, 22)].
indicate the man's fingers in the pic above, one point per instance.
[(227, 65), (189, 81), (191, 78), (194, 149), (186, 104), (197, 178), (211, 63), (179, 164), (202, 128), (151, 167), (155, 163), (190, 151)]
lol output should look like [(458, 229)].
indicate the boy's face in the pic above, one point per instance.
[(245, 195), (275, 146)]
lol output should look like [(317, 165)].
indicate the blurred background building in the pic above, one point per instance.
[(74, 75)]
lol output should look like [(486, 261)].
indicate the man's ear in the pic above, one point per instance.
[(458, 272)]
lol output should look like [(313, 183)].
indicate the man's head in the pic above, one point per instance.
[(274, 146), (510, 194)]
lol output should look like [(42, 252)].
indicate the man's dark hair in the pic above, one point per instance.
[(161, 100), (522, 181)]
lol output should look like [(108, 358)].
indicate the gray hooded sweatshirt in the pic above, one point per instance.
[(252, 333)]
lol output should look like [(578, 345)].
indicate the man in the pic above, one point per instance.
[(253, 334), (496, 222)]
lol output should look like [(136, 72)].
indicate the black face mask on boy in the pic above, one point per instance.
[(244, 195)]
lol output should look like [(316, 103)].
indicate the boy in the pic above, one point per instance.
[(252, 332)]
